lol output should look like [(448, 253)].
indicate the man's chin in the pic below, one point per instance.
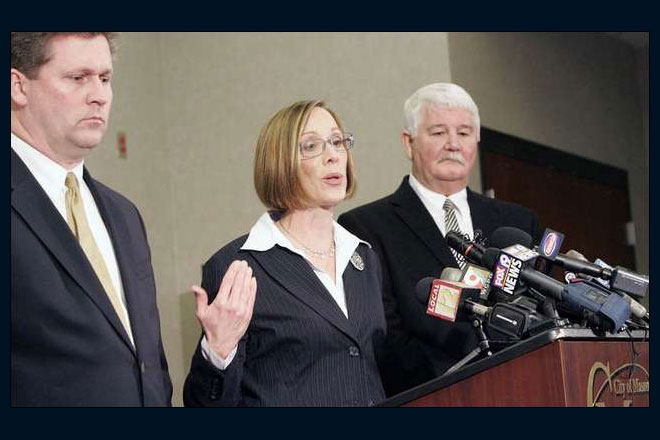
[(89, 141), (453, 175)]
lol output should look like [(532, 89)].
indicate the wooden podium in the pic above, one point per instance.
[(561, 367)]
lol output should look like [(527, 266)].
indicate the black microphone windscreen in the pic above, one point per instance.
[(490, 258), (423, 289), (507, 236), (454, 239)]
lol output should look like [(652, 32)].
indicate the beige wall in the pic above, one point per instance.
[(192, 106), (579, 92)]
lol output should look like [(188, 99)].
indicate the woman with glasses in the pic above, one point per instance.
[(295, 316)]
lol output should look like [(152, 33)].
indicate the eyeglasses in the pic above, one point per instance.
[(315, 147)]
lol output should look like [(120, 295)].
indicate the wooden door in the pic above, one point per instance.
[(583, 199)]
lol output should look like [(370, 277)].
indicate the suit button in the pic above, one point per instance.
[(142, 367), (214, 389), (353, 351)]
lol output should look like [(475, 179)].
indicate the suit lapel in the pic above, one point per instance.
[(33, 205), (356, 287), (483, 214), (412, 212), (114, 223), (294, 274)]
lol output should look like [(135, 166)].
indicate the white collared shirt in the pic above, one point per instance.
[(51, 177), (433, 202), (265, 235)]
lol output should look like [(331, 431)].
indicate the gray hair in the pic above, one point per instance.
[(445, 95)]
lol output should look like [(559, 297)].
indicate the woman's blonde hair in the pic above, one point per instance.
[(276, 164)]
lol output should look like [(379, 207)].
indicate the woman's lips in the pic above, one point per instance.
[(333, 179)]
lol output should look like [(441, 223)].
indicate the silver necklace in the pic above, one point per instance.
[(321, 254)]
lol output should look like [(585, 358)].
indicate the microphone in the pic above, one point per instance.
[(506, 236), (464, 246), (503, 321), (588, 301), (572, 253), (620, 278), (451, 274), (502, 238), (477, 276), (637, 310), (632, 283), (572, 264), (599, 271), (479, 239), (506, 268), (444, 297)]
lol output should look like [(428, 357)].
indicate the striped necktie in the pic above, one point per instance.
[(77, 220), (451, 224)]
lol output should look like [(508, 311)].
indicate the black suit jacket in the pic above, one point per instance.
[(68, 346), (299, 348), (411, 247)]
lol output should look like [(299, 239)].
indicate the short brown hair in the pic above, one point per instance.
[(29, 50), (276, 164)]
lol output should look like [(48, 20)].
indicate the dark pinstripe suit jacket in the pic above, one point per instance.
[(299, 349)]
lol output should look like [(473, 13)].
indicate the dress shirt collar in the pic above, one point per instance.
[(265, 234), (437, 200), (49, 174)]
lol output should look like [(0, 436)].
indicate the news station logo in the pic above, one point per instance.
[(506, 273), (478, 277), (551, 243), (520, 252), (443, 301)]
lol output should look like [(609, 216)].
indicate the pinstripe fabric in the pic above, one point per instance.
[(451, 224), (300, 349)]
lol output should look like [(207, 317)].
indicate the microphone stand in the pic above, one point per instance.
[(482, 347)]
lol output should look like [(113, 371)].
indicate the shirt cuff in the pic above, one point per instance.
[(217, 361)]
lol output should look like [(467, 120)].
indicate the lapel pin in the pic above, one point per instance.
[(356, 261)]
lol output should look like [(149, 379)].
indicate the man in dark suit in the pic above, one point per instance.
[(85, 329), (407, 229)]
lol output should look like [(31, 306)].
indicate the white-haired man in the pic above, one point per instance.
[(407, 229)]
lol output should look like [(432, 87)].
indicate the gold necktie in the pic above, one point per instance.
[(77, 220)]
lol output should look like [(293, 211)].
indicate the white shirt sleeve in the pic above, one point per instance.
[(217, 361)]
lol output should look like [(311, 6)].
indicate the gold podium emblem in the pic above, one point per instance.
[(621, 386)]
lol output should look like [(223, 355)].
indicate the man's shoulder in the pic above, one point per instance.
[(113, 195), (499, 204), (494, 213), (375, 207)]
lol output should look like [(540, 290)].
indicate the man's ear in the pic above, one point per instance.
[(19, 86), (407, 142)]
